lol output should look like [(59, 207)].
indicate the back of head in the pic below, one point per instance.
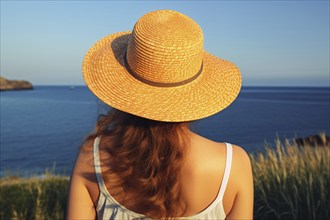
[(147, 156)]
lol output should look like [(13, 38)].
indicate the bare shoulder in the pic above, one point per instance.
[(205, 143), (240, 155), (81, 200), (241, 167), (208, 154), (219, 149), (241, 162), (241, 178), (84, 166)]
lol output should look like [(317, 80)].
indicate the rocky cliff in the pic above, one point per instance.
[(6, 84)]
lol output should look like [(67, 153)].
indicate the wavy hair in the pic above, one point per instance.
[(147, 156)]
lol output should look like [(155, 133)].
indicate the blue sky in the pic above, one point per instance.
[(274, 43)]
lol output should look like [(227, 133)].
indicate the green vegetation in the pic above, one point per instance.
[(291, 182), (33, 198)]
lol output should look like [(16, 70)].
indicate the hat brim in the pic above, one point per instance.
[(106, 76)]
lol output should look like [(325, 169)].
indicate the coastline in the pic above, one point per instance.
[(8, 85)]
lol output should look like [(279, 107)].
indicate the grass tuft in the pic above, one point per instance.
[(292, 182), (33, 198)]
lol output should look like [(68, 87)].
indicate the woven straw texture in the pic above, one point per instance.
[(160, 71)]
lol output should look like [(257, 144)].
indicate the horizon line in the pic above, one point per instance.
[(243, 86)]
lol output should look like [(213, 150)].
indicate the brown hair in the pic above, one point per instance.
[(147, 156)]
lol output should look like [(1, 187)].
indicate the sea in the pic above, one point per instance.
[(42, 129)]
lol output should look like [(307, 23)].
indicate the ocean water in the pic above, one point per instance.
[(43, 128)]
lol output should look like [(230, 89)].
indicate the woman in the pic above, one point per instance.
[(143, 161)]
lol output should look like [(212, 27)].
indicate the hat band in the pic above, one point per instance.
[(160, 84)]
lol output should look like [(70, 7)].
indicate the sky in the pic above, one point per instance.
[(273, 43)]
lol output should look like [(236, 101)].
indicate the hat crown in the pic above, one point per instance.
[(166, 47)]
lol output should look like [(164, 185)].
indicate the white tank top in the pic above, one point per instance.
[(109, 208)]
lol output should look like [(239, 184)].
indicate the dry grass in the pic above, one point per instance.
[(292, 182)]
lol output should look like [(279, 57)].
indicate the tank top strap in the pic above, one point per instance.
[(97, 166), (227, 171)]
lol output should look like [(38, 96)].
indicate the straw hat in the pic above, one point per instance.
[(160, 71)]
